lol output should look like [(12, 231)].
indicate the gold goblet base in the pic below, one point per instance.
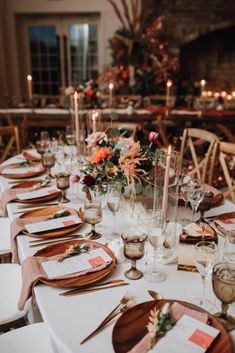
[(228, 322), (133, 274), (93, 235)]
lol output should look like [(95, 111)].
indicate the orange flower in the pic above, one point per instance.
[(100, 155)]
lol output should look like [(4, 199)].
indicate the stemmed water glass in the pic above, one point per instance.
[(134, 242), (204, 256), (48, 161), (195, 194), (114, 201), (156, 232), (223, 280), (70, 135), (62, 183), (92, 215)]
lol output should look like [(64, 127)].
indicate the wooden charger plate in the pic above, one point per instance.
[(130, 328), (50, 211), (193, 240), (30, 183), (80, 281), (22, 176)]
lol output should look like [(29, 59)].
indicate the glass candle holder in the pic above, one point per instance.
[(134, 243), (48, 161), (62, 183)]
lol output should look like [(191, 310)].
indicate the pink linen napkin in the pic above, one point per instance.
[(9, 195), (33, 272), (176, 310), (18, 225)]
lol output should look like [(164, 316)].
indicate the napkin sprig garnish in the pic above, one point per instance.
[(61, 213), (160, 321), (25, 164), (41, 184), (74, 250)]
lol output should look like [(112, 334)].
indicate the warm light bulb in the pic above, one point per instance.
[(223, 94), (209, 93), (203, 82), (29, 78), (216, 95), (169, 83), (111, 85), (229, 97)]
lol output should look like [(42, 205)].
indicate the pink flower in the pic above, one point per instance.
[(153, 136), (69, 90), (95, 137), (74, 178)]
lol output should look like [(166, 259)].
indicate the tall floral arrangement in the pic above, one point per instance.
[(140, 49)]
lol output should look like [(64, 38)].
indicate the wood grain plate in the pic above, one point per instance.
[(30, 183), (50, 211), (131, 328), (193, 240), (30, 157), (23, 176), (80, 281)]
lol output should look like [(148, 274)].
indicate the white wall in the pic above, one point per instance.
[(8, 42)]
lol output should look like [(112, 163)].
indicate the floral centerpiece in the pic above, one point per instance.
[(119, 159)]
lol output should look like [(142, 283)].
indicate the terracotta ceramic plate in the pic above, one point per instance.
[(30, 183), (50, 211), (131, 328), (22, 176), (80, 281), (224, 217)]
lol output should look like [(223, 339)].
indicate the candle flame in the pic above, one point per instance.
[(94, 115), (111, 85), (29, 78), (169, 83), (203, 82)]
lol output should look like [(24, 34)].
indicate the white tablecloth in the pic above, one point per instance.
[(70, 319)]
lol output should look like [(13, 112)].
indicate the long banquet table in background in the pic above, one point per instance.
[(70, 319)]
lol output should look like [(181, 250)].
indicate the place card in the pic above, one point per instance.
[(51, 224), (226, 224), (185, 258), (77, 263), (188, 335), (28, 170), (44, 191)]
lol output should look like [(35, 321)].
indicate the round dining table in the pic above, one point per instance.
[(71, 318)]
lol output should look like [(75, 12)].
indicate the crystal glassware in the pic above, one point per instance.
[(156, 234), (229, 248), (48, 161), (134, 243), (223, 281), (93, 215), (41, 146), (70, 135), (204, 256), (195, 194), (62, 183), (114, 201)]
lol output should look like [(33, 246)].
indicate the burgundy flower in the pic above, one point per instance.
[(88, 180), (153, 136)]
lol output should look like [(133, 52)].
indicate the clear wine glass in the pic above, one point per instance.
[(114, 201), (134, 243), (62, 183), (223, 281), (229, 248), (92, 215), (204, 256), (70, 135), (156, 234), (195, 194)]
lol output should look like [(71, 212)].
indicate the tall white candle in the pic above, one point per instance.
[(94, 115), (76, 116), (166, 183), (168, 92), (111, 86), (30, 88)]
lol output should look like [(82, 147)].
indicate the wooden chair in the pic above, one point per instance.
[(192, 141), (12, 132), (130, 128), (225, 152)]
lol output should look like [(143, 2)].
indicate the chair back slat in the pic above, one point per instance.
[(12, 132)]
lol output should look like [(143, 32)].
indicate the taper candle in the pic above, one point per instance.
[(76, 116), (30, 88), (166, 183), (111, 86), (203, 84), (168, 92)]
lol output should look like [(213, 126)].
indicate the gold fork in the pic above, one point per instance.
[(110, 317)]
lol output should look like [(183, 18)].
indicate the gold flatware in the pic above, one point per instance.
[(92, 286), (109, 318), (155, 295), (55, 241), (95, 289), (37, 205)]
